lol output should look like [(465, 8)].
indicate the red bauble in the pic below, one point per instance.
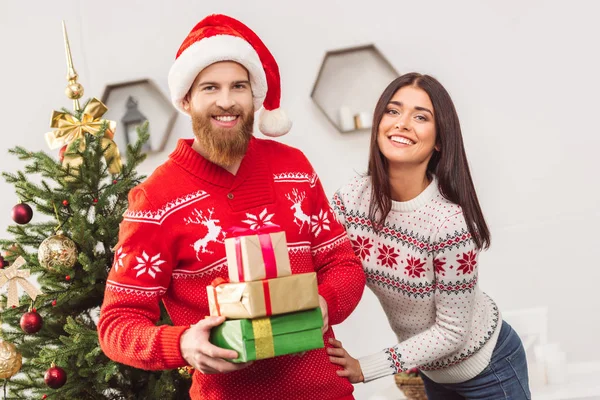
[(22, 213), (3, 262), (61, 153), (55, 377), (31, 322)]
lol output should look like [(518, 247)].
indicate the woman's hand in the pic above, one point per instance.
[(338, 355)]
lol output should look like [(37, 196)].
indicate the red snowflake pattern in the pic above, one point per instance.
[(362, 247), (468, 262), (387, 256), (414, 267), (438, 265)]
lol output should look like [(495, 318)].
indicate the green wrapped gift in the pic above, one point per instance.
[(260, 338)]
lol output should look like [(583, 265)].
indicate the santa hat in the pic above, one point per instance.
[(222, 38)]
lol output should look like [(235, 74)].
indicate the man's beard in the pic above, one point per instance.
[(223, 146)]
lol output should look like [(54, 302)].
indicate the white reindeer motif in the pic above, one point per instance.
[(300, 218), (214, 231)]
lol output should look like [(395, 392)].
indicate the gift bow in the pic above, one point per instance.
[(214, 284), (70, 130), (266, 246), (266, 291), (14, 276)]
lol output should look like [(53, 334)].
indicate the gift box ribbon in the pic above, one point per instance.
[(266, 246), (263, 338), (267, 293)]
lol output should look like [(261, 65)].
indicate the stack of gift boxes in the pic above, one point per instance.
[(269, 311)]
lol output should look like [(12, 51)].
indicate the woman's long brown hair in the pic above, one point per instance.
[(449, 165)]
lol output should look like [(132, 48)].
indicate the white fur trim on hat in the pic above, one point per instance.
[(274, 123), (208, 51)]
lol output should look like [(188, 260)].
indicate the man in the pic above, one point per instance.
[(171, 238)]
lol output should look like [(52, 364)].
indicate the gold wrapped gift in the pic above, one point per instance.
[(259, 255), (247, 300)]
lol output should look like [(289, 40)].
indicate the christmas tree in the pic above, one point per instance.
[(70, 252)]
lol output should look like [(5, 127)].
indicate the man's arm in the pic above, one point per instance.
[(339, 271), (138, 279)]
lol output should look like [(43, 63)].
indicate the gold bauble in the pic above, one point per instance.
[(10, 360), (74, 91), (57, 252)]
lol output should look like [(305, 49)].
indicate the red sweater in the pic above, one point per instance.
[(171, 247)]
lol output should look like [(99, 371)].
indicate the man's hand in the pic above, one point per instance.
[(324, 311), (338, 355), (203, 355)]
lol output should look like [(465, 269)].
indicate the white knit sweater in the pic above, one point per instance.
[(423, 268)]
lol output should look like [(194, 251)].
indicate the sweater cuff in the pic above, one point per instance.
[(170, 350), (376, 366), (330, 297)]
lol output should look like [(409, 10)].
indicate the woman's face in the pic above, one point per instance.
[(406, 134)]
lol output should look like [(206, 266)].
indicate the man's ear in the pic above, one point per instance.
[(185, 102)]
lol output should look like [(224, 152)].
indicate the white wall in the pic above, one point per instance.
[(523, 74)]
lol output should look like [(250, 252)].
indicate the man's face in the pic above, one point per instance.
[(222, 111)]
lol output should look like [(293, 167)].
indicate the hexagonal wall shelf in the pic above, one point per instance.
[(130, 104), (349, 84)]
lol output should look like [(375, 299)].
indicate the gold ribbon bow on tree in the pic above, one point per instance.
[(71, 131), (14, 277)]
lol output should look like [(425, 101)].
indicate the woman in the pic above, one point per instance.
[(416, 223)]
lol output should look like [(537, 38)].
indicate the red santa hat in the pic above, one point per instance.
[(222, 38)]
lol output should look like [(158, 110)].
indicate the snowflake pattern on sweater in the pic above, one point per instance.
[(422, 265), (171, 247)]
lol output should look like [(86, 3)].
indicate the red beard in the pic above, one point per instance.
[(223, 146)]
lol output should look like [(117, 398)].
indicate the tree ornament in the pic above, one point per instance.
[(13, 250), (55, 377), (10, 360), (186, 372), (14, 277), (3, 262), (70, 131), (65, 203), (61, 153), (31, 322), (56, 252), (22, 213)]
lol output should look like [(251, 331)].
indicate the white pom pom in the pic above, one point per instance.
[(274, 123)]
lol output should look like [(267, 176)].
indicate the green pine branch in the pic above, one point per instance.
[(86, 203)]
